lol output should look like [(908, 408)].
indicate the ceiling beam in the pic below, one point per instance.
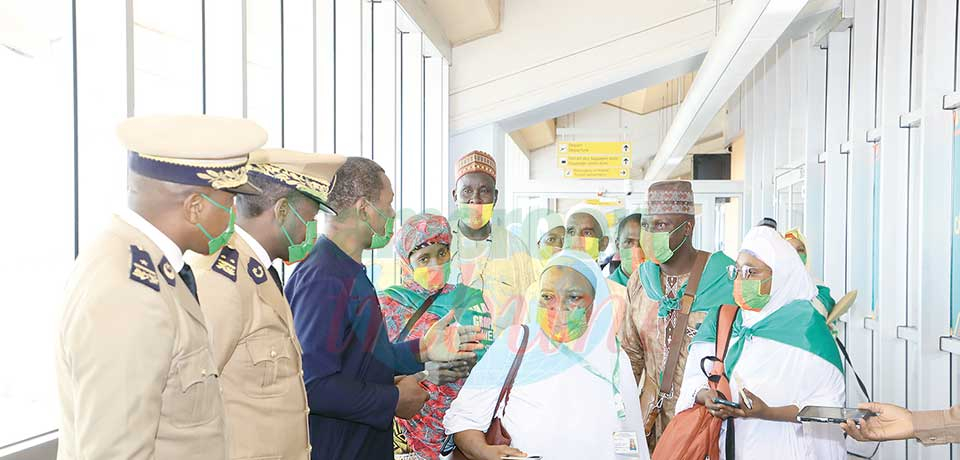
[(753, 26)]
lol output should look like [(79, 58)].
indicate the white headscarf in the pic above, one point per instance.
[(601, 321), (790, 278), (547, 223), (598, 215)]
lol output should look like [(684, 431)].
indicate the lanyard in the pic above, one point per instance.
[(614, 380)]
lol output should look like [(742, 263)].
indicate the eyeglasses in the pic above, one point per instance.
[(743, 271)]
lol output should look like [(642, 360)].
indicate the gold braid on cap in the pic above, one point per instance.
[(302, 183), (225, 178)]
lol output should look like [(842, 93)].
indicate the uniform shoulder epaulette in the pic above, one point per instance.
[(226, 263), (142, 269), (256, 271), (167, 273)]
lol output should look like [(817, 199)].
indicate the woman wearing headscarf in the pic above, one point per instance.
[(574, 396), (824, 302), (423, 249), (781, 354)]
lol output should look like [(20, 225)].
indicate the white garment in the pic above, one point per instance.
[(169, 249), (780, 375), (791, 281), (556, 409)]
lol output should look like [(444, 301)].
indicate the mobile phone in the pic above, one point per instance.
[(823, 414), (726, 403), (746, 401)]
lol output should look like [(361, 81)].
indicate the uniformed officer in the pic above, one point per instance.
[(136, 375), (254, 342)]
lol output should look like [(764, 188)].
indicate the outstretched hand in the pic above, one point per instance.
[(443, 342), (891, 423)]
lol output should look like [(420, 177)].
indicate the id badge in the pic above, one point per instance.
[(626, 443)]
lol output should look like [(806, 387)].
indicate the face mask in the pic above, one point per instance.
[(803, 258), (656, 245), (747, 294), (214, 244), (379, 241), (476, 215), (562, 326), (630, 259), (547, 251), (587, 244), (433, 277), (298, 252)]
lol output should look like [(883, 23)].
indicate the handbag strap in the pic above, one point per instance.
[(416, 317), (678, 331), (725, 319), (512, 375)]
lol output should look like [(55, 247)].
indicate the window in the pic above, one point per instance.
[(355, 78), (37, 80)]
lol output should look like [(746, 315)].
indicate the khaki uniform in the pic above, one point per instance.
[(136, 376), (937, 426), (643, 336), (257, 352)]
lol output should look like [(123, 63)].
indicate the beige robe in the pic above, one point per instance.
[(642, 337), (257, 352), (135, 373)]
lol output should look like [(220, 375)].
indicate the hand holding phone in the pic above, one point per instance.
[(823, 414), (719, 400)]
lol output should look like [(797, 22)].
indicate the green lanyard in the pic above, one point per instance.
[(614, 381)]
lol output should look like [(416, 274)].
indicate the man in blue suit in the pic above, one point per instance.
[(348, 362)]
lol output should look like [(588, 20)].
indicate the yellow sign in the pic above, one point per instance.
[(594, 160)]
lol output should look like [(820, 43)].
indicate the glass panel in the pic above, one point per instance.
[(955, 243), (783, 206), (729, 225), (264, 93), (876, 228), (224, 57), (797, 202), (380, 36), (168, 59), (348, 27), (298, 69), (36, 90)]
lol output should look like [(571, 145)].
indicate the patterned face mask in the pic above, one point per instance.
[(432, 277), (476, 215), (562, 325), (587, 244)]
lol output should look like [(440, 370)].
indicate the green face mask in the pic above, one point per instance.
[(747, 294), (298, 252), (803, 258), (220, 241), (656, 245), (379, 241)]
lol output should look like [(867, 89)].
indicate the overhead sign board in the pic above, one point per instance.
[(595, 160)]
